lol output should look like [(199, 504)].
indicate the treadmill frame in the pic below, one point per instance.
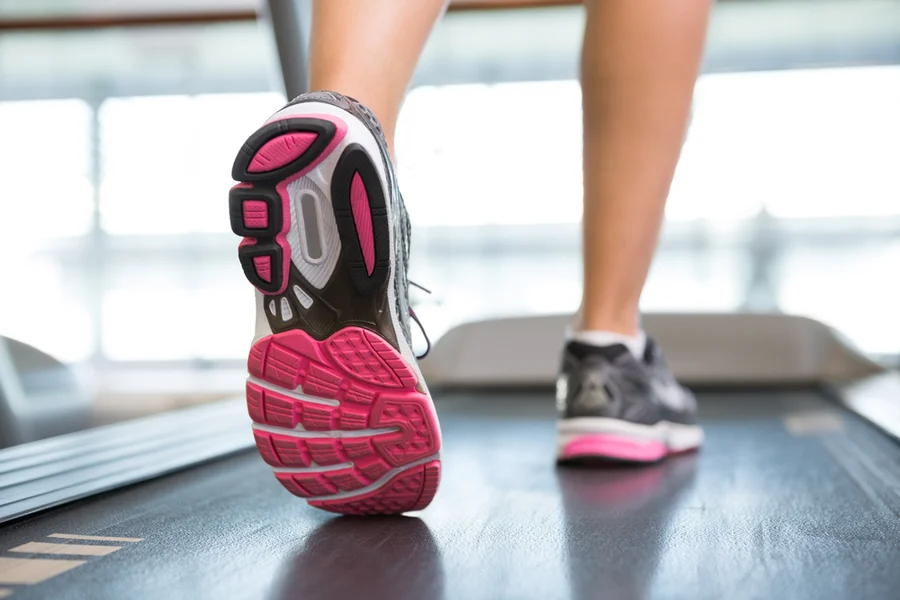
[(704, 349), (522, 353)]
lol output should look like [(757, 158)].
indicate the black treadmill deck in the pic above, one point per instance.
[(790, 498)]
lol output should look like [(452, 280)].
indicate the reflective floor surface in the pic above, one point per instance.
[(790, 498)]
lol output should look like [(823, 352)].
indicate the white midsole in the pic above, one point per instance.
[(313, 468), (295, 394), (676, 436)]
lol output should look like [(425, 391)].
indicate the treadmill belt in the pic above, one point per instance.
[(791, 497)]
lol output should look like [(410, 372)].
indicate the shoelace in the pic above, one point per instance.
[(412, 314)]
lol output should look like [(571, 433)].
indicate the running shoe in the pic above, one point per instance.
[(339, 407), (613, 406)]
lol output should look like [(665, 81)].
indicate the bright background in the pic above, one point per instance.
[(117, 145)]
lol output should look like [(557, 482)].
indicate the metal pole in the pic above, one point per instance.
[(95, 268), (15, 427), (290, 21)]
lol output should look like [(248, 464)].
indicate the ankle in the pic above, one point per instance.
[(636, 343), (627, 323), (385, 108)]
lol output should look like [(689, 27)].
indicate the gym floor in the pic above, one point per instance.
[(790, 497)]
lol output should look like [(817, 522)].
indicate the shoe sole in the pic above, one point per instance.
[(339, 407), (623, 441)]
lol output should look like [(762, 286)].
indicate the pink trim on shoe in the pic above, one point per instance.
[(615, 447), (281, 150), (276, 153), (255, 213), (263, 265), (362, 218)]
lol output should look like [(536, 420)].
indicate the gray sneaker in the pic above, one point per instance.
[(613, 406), (340, 410)]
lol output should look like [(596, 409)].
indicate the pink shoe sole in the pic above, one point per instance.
[(367, 451), (338, 412), (617, 448)]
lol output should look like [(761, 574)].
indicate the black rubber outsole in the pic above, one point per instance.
[(324, 130), (355, 160), (353, 296), (263, 190)]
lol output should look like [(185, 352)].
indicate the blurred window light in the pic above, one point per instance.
[(816, 143), (482, 167), (207, 323), (166, 160), (45, 163)]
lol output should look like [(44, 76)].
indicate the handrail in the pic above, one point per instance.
[(102, 21), (153, 19)]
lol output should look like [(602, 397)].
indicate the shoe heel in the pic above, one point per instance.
[(279, 152)]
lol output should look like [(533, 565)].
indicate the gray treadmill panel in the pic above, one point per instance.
[(792, 497)]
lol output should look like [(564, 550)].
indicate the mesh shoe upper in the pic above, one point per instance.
[(610, 382)]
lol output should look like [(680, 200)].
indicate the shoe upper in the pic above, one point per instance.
[(402, 230), (610, 382)]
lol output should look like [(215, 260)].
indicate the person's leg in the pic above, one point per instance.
[(617, 398), (368, 50), (326, 241), (638, 67)]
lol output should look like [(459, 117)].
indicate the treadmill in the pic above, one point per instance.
[(795, 494)]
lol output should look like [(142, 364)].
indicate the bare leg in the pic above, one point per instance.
[(639, 63), (368, 50)]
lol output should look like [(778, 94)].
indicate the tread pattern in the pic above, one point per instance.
[(413, 488), (340, 415), (373, 388), (278, 153)]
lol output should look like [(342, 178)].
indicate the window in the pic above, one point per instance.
[(785, 190)]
